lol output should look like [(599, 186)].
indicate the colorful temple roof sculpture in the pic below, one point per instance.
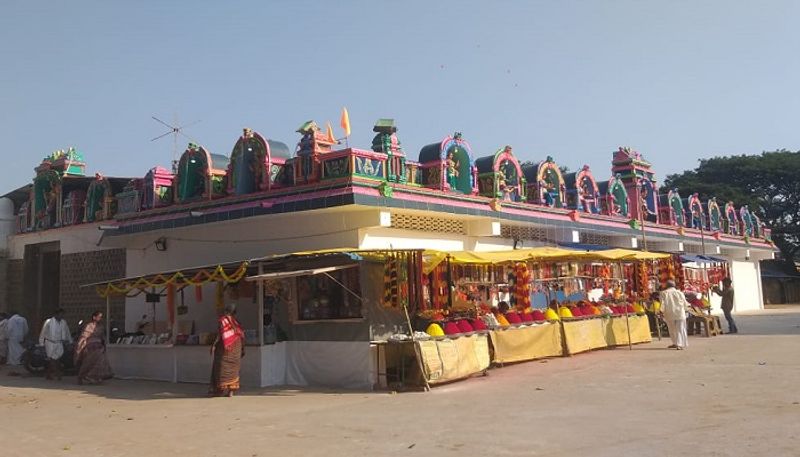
[(546, 184), (264, 176), (583, 192), (500, 176), (614, 197), (448, 165), (256, 164)]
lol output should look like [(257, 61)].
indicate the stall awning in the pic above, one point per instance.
[(433, 258), (292, 274), (697, 258)]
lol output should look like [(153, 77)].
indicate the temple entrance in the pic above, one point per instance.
[(41, 282)]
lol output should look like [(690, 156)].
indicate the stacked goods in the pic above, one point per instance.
[(478, 325), (538, 316), (551, 315), (451, 328), (464, 326), (434, 330), (564, 312)]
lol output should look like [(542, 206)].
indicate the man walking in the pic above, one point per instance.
[(55, 333), (17, 331), (674, 307), (727, 303)]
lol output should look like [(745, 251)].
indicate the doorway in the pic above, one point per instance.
[(41, 283)]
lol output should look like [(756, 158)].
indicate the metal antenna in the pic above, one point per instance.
[(174, 130)]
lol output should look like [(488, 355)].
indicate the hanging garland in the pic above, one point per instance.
[(177, 279)]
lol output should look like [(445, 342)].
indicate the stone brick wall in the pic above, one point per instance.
[(88, 267), (11, 296)]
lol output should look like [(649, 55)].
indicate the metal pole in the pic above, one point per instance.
[(260, 298), (108, 319), (627, 319)]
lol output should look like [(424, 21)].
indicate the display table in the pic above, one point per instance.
[(581, 335), (443, 360), (517, 344), (617, 330)]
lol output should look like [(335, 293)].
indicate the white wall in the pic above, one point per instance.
[(7, 223), (73, 239), (746, 282), (389, 238)]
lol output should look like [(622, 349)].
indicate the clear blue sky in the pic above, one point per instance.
[(677, 80)]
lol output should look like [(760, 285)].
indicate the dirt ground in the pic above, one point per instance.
[(725, 396)]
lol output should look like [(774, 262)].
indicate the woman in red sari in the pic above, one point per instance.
[(90, 352), (228, 350)]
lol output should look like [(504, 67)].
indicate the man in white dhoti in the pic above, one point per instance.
[(674, 307), (55, 333), (3, 338), (17, 331)]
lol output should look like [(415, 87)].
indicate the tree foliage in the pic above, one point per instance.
[(769, 183)]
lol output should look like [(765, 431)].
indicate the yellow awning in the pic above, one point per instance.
[(432, 258)]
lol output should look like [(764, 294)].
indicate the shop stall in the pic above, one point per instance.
[(371, 319)]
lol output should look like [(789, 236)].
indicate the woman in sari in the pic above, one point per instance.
[(227, 350), (90, 352)]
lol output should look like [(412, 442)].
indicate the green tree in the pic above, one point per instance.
[(769, 183)]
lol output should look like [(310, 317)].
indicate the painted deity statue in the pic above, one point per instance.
[(504, 188), (452, 170), (697, 212)]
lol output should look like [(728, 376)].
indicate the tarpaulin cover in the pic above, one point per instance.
[(451, 359), (526, 343), (584, 335), (617, 330)]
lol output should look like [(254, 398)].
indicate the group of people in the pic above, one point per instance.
[(89, 353), (674, 307)]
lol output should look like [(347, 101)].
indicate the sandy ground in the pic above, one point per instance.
[(725, 396)]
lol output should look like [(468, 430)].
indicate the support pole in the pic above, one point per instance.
[(627, 318), (260, 299), (108, 319)]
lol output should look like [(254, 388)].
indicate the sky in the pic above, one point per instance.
[(677, 81)]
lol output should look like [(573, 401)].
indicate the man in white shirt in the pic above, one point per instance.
[(17, 331), (674, 307), (55, 333), (3, 338)]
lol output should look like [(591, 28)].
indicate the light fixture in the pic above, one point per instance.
[(196, 213), (161, 244), (108, 227)]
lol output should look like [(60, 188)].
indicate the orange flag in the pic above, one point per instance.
[(345, 122), (331, 137)]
